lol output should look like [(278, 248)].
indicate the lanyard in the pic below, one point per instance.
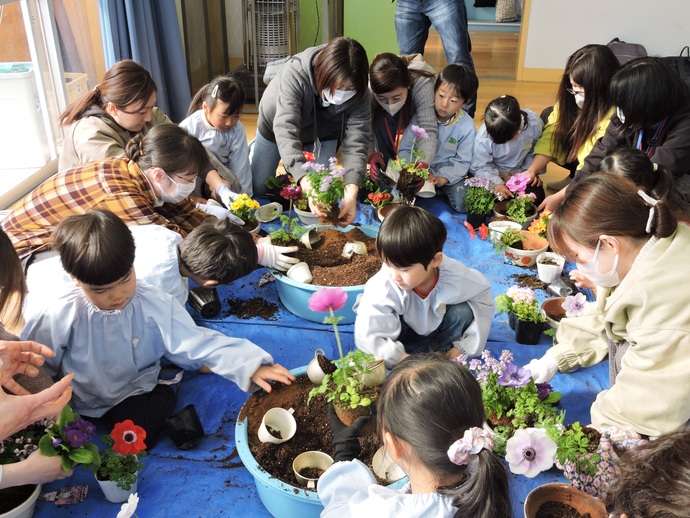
[(395, 141), (652, 143)]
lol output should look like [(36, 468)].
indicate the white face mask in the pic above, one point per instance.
[(591, 270), (619, 112), (181, 192), (394, 108), (337, 97), (580, 99)]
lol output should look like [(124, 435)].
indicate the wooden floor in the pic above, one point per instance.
[(495, 59)]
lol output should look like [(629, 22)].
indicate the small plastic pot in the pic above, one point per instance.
[(184, 428), (204, 301), (528, 333)]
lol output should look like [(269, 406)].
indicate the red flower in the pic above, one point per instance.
[(128, 438), (370, 196), (483, 231), (309, 156), (470, 229)]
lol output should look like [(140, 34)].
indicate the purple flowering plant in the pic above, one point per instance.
[(479, 197), (512, 401), (327, 184), (70, 438)]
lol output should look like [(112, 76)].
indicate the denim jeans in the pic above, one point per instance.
[(456, 196), (457, 319), (449, 17), (265, 157)]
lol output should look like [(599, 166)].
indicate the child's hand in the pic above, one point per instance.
[(274, 372), (453, 352), (502, 189), (580, 280), (438, 181), (536, 180)]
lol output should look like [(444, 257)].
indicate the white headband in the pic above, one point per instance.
[(652, 202)]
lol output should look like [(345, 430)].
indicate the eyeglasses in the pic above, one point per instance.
[(571, 91)]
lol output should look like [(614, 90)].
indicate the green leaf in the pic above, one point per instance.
[(81, 456), (66, 416), (45, 444), (65, 463)]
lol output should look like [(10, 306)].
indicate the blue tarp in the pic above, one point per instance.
[(210, 479)]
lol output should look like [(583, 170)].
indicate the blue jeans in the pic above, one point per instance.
[(449, 17), (265, 157), (456, 195), (457, 319)]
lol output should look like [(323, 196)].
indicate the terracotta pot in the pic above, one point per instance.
[(500, 208), (383, 211), (553, 311), (349, 415), (532, 246), (565, 494), (528, 333)]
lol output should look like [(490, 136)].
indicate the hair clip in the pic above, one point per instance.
[(214, 93), (465, 450), (96, 90), (652, 202)]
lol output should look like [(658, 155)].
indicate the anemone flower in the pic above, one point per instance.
[(330, 300), (129, 507), (574, 305), (419, 132), (530, 451), (128, 438), (514, 376), (518, 182)]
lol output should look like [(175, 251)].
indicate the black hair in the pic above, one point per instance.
[(647, 90), (218, 250), (95, 248), (410, 235), (342, 59), (460, 78), (227, 89), (169, 147), (504, 118), (429, 401), (12, 282)]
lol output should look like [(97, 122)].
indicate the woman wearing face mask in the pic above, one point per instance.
[(631, 246), (401, 87), (581, 113), (317, 102)]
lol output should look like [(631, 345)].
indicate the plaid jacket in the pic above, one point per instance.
[(115, 184)]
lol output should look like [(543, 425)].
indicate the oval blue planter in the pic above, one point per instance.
[(280, 499), (295, 295)]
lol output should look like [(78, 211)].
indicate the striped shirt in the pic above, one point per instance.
[(115, 184)]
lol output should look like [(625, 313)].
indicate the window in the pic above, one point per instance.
[(50, 54)]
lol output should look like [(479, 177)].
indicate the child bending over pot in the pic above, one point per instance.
[(430, 416), (112, 332), (421, 300)]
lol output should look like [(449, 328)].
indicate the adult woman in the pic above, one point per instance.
[(317, 101), (401, 87), (101, 123), (18, 411), (632, 247), (652, 114), (581, 113)]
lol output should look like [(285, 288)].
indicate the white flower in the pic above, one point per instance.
[(530, 451), (127, 510)]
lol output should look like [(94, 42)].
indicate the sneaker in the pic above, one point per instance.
[(170, 375), (557, 186)]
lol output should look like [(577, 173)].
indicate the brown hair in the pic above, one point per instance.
[(653, 480), (603, 203), (218, 250), (342, 59), (124, 84), (12, 282), (227, 89), (169, 147)]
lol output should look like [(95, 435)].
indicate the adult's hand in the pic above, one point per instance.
[(553, 201), (20, 411), (219, 212), (35, 469), (316, 209), (21, 358), (348, 205), (226, 195), (377, 166), (503, 191)]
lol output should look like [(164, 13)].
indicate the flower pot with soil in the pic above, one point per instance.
[(528, 333), (386, 209), (19, 501), (524, 252), (329, 268), (562, 501), (501, 213), (553, 311), (479, 200), (529, 321), (549, 266), (307, 217)]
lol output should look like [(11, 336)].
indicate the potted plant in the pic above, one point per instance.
[(520, 208), (327, 186), (549, 266), (274, 186), (539, 225), (411, 175), (243, 207), (520, 247), (561, 499), (529, 319), (479, 200), (117, 471), (290, 230), (557, 308)]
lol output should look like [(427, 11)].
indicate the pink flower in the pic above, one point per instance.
[(518, 182), (327, 299), (420, 133), (530, 451)]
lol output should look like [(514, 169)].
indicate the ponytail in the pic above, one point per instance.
[(198, 99), (74, 111), (485, 492), (227, 89), (169, 147)]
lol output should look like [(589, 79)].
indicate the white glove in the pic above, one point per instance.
[(543, 369), (272, 256), (219, 212), (226, 195)]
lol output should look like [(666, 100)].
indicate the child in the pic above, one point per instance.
[(214, 118), (653, 480), (112, 332), (430, 416), (421, 300), (505, 144), (455, 87)]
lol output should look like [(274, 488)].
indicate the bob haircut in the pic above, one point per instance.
[(410, 235), (342, 59), (460, 78), (95, 248)]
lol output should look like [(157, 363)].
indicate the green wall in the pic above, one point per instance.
[(372, 23)]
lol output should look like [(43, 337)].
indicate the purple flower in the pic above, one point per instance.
[(530, 451), (479, 182), (57, 442), (78, 432), (514, 376), (419, 132), (291, 192), (518, 182), (325, 183), (543, 390), (574, 305)]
